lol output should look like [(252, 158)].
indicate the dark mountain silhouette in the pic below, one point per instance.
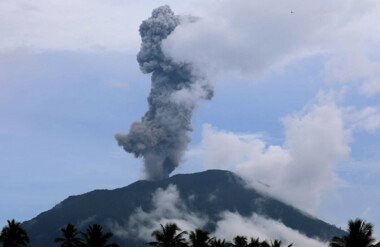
[(228, 190)]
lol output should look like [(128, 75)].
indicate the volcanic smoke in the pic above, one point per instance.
[(161, 135)]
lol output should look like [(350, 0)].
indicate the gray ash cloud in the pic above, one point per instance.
[(161, 135)]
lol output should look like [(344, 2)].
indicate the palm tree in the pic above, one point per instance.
[(255, 243), (264, 244), (94, 237), (276, 243), (13, 235), (240, 241), (69, 238), (167, 236), (199, 238), (219, 243), (359, 235)]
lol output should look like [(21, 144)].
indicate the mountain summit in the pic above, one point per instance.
[(205, 194)]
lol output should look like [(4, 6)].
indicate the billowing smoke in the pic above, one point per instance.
[(161, 135)]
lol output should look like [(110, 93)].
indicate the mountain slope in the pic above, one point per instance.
[(226, 189)]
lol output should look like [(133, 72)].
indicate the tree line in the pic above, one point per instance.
[(13, 235), (359, 234)]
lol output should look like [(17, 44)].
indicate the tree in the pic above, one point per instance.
[(219, 243), (167, 236), (94, 237), (70, 237), (256, 243), (13, 235), (276, 243), (359, 235), (265, 244), (240, 241), (199, 238)]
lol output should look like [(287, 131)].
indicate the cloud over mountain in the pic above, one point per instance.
[(300, 169), (168, 207)]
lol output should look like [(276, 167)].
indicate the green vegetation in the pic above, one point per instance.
[(94, 237), (13, 235), (167, 237), (70, 237), (199, 238), (359, 234)]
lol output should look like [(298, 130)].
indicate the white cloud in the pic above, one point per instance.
[(367, 119), (87, 25), (166, 207), (252, 37), (190, 97), (84, 223), (297, 171), (354, 67), (233, 224)]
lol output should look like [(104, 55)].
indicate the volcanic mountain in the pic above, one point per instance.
[(207, 194)]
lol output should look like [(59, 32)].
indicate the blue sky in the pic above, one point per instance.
[(69, 81)]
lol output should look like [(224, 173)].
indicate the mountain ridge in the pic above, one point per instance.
[(228, 189)]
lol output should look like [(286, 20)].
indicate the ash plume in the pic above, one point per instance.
[(161, 135)]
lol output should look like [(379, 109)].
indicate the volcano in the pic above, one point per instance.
[(208, 193)]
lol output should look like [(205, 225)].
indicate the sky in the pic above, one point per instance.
[(296, 104)]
